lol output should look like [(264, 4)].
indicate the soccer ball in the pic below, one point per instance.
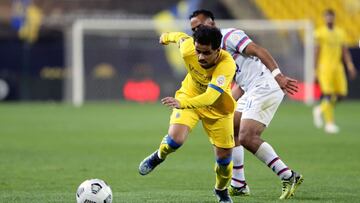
[(94, 191)]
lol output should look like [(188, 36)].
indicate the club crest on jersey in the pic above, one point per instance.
[(220, 80), (235, 38)]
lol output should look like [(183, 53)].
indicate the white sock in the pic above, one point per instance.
[(267, 155), (238, 175)]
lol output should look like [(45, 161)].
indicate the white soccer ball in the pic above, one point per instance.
[(94, 191)]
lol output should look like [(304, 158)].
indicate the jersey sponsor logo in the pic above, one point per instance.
[(203, 76), (220, 80), (201, 86)]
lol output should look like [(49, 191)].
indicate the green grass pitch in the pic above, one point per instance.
[(47, 150)]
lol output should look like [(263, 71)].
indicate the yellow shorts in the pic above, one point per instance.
[(333, 81), (220, 130)]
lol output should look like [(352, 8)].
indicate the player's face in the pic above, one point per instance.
[(206, 55), (195, 22), (329, 18)]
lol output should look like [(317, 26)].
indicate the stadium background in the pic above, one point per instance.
[(48, 147), (38, 70)]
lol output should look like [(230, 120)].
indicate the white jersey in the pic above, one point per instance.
[(249, 69), (262, 95)]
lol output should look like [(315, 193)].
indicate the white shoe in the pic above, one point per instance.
[(331, 128), (317, 117)]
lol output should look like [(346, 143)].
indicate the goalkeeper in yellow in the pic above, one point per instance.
[(329, 56), (205, 95)]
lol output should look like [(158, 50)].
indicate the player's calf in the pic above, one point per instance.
[(167, 146)]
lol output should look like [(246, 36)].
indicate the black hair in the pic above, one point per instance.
[(329, 12), (206, 13), (206, 35)]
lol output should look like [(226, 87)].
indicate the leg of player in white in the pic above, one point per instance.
[(258, 107), (238, 186)]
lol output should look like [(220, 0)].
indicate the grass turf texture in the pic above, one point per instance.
[(47, 150)]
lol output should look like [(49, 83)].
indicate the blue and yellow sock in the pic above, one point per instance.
[(167, 146), (223, 170)]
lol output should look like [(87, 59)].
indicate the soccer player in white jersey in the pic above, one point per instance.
[(259, 90)]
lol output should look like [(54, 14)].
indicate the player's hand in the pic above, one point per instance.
[(171, 102), (288, 85), (162, 39), (236, 92)]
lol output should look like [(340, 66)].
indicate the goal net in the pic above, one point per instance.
[(114, 59)]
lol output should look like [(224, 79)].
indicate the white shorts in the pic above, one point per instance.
[(261, 101)]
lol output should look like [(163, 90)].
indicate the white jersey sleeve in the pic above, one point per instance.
[(250, 71), (235, 41)]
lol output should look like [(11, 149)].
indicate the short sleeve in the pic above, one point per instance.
[(236, 40)]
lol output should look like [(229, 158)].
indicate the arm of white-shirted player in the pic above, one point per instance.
[(287, 84), (263, 54), (239, 42)]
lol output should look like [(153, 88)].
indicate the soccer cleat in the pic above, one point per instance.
[(290, 185), (331, 128), (149, 163), (239, 191), (317, 117), (223, 196)]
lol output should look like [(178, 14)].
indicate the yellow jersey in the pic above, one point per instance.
[(330, 43), (200, 84)]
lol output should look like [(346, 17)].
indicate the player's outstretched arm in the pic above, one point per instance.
[(202, 100), (287, 84), (172, 37)]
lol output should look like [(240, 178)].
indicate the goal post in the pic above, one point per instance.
[(283, 37)]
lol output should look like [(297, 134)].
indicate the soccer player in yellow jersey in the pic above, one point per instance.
[(205, 95), (329, 56)]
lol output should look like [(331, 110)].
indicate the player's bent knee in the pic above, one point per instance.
[(222, 153), (178, 133), (245, 136)]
